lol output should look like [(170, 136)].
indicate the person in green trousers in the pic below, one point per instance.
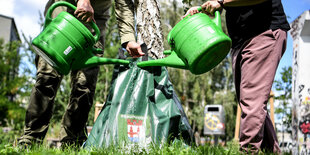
[(83, 82)]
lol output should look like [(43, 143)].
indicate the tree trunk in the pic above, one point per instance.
[(149, 29)]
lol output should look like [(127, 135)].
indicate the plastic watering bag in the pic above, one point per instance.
[(141, 108)]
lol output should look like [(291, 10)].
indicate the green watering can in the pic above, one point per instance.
[(66, 44), (197, 44)]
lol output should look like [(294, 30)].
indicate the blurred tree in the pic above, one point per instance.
[(111, 46), (12, 88), (284, 87), (195, 91)]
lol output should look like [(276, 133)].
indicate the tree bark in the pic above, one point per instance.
[(149, 29)]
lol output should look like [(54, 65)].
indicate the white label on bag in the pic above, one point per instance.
[(68, 50)]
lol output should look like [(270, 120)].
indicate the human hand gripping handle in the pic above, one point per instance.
[(84, 11), (208, 7), (134, 49), (192, 11), (211, 6)]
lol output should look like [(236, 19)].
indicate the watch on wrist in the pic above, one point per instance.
[(221, 2)]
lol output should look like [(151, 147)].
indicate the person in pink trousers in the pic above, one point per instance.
[(258, 30)]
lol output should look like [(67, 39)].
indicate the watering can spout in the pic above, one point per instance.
[(95, 61), (198, 44), (171, 61)]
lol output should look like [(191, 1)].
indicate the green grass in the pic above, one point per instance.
[(174, 149), (177, 148), (8, 141)]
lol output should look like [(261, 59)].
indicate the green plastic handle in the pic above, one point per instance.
[(48, 17), (167, 52), (199, 9), (96, 50), (217, 18)]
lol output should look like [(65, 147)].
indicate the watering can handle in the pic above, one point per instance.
[(48, 17), (217, 18)]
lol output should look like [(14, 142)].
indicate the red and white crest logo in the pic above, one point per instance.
[(136, 131)]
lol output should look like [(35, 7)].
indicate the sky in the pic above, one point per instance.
[(293, 9), (26, 16)]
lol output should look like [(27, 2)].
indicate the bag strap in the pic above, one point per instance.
[(144, 50), (163, 88)]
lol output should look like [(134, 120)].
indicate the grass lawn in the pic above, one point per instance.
[(7, 141), (173, 149), (177, 149)]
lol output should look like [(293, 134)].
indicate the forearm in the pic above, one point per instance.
[(236, 3), (125, 18)]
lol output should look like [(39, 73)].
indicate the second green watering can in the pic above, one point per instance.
[(197, 44), (66, 44)]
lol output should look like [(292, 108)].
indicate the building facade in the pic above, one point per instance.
[(300, 33), (8, 30)]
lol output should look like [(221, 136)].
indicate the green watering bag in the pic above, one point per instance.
[(141, 108)]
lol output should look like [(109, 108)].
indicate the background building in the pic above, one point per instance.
[(300, 33), (8, 30)]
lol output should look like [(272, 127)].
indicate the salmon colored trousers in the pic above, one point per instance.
[(254, 66)]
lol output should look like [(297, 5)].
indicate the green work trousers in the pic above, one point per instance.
[(83, 85)]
